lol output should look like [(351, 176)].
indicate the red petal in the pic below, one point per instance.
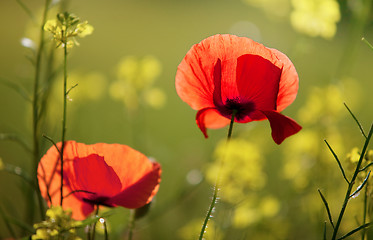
[(282, 126), (132, 167), (195, 74), (141, 191), (217, 84), (50, 181), (210, 118), (288, 82), (128, 164), (93, 175), (258, 81)]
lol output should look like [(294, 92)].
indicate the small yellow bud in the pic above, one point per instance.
[(1, 164), (65, 28), (354, 155)]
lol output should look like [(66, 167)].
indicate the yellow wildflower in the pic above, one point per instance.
[(240, 165), (192, 229), (134, 84), (315, 17), (58, 225), (1, 164), (66, 27)]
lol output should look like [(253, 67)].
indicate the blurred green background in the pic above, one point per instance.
[(151, 37)]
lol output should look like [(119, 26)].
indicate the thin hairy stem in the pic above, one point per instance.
[(351, 184), (131, 224), (105, 231), (94, 224), (216, 187)]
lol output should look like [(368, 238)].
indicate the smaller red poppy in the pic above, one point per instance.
[(224, 74), (99, 174)]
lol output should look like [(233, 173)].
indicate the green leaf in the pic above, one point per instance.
[(326, 207), (16, 87), (14, 137), (339, 163), (356, 230), (94, 219), (17, 222), (27, 10), (357, 121), (368, 43), (9, 227)]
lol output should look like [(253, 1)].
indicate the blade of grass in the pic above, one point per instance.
[(9, 227), (357, 121), (326, 207), (16, 87), (356, 230), (324, 230), (14, 137), (368, 43), (26, 9), (18, 223), (339, 163), (349, 189)]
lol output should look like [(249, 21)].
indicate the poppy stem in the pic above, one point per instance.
[(105, 230), (94, 224), (216, 187), (234, 112), (131, 224)]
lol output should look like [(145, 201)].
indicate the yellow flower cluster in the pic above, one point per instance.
[(134, 84), (253, 210), (58, 225), (192, 229), (315, 17), (323, 106), (239, 168), (66, 27), (234, 160)]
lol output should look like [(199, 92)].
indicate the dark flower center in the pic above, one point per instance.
[(242, 108), (98, 201)]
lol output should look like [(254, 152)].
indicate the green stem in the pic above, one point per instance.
[(105, 230), (64, 114), (35, 108), (216, 187), (351, 184), (94, 224), (131, 224), (365, 211)]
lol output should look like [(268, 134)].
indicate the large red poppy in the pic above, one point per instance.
[(99, 174), (226, 73)]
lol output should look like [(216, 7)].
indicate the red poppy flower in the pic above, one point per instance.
[(99, 174), (226, 73)]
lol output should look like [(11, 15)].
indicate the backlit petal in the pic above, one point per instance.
[(282, 126), (141, 191), (50, 182), (258, 81), (104, 169), (92, 175), (288, 83), (210, 118)]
